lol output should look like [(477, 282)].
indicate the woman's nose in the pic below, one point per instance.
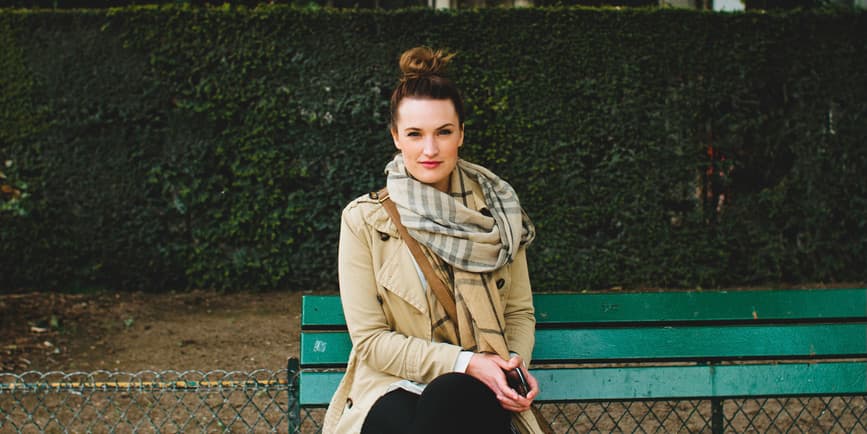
[(430, 146)]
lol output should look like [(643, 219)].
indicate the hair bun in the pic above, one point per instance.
[(423, 61)]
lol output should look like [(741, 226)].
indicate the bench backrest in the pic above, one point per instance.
[(666, 344)]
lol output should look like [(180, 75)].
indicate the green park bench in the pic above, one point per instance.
[(674, 361)]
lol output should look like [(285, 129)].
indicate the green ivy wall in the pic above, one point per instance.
[(176, 147)]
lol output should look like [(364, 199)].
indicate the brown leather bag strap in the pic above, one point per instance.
[(445, 297)]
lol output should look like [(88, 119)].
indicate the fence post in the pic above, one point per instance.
[(716, 415), (293, 415)]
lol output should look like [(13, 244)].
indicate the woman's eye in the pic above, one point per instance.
[(445, 132), (413, 134)]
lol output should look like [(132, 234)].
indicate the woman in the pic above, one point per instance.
[(415, 368)]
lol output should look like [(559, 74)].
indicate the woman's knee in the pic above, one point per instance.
[(392, 413), (458, 403), (454, 382)]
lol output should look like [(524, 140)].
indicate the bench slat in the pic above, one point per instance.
[(697, 343), (789, 304), (321, 311), (771, 305), (702, 381), (646, 343), (663, 382), (325, 348), (316, 388)]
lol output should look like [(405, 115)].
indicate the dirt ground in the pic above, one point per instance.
[(197, 330)]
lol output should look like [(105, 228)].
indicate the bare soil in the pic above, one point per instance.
[(197, 330)]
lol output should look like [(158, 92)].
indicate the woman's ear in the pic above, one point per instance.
[(461, 143)]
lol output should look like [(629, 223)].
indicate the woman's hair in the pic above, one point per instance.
[(423, 77)]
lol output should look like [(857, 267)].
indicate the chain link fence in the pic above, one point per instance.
[(146, 401), (265, 401), (815, 414)]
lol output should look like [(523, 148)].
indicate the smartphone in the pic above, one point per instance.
[(515, 379)]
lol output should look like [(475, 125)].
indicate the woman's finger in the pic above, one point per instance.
[(518, 405), (534, 385), (515, 362), (486, 368)]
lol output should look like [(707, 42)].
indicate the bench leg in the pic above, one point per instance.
[(716, 415), (293, 412)]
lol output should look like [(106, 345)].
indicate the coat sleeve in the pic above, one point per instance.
[(519, 311), (373, 339)]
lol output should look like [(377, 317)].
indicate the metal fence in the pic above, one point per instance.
[(147, 401), (264, 401), (815, 414)]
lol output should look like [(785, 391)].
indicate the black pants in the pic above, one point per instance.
[(453, 403)]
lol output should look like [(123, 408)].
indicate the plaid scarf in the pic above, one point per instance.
[(467, 234)]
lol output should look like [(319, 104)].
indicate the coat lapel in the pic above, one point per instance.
[(398, 275)]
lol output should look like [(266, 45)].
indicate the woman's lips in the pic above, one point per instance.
[(430, 164)]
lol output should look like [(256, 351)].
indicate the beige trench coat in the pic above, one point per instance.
[(387, 315)]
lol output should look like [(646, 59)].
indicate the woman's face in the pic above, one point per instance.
[(428, 133)]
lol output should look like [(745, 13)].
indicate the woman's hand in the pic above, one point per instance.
[(490, 369)]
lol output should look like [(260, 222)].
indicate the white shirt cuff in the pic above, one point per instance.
[(463, 361)]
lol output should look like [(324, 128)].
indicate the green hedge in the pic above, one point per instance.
[(80, 4), (174, 147)]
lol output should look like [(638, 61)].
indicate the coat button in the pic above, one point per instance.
[(348, 402), (379, 299), (501, 283), (485, 212), (384, 236)]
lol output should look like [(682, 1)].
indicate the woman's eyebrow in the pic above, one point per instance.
[(449, 124)]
